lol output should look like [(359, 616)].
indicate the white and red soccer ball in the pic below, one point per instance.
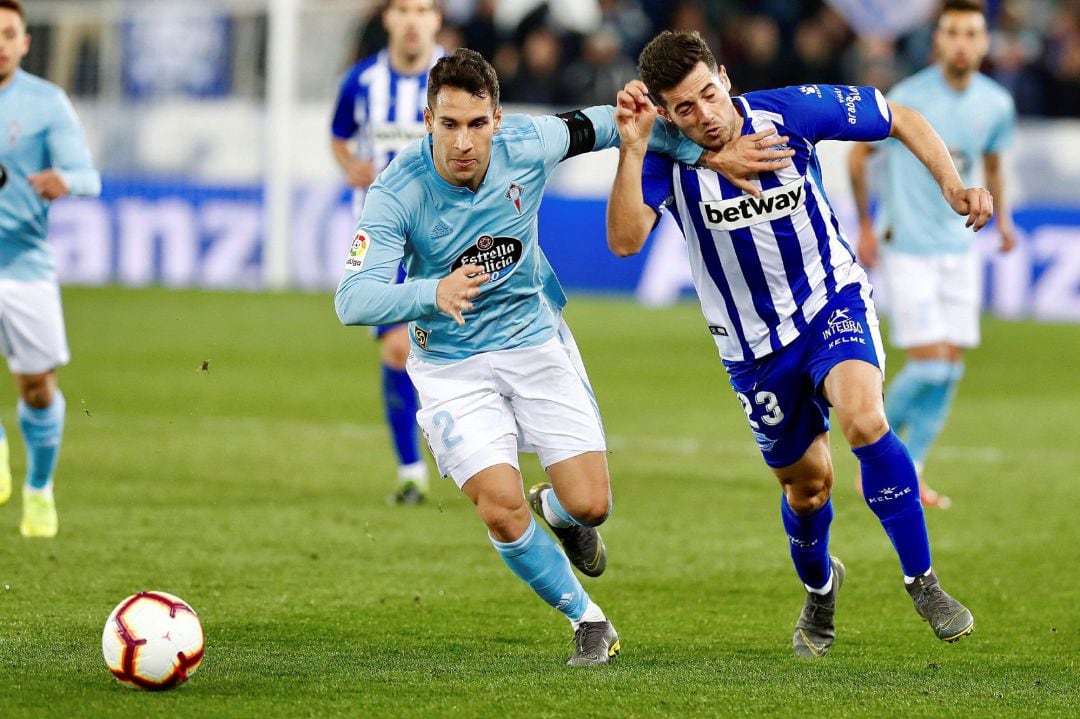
[(153, 640)]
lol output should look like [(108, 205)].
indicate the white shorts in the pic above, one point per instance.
[(483, 410), (933, 298), (32, 333)]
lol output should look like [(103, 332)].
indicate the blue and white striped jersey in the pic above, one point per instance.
[(764, 267), (381, 108), (412, 213), (38, 131)]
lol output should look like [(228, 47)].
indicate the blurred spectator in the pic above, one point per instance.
[(602, 71), (629, 22), (480, 33), (539, 79)]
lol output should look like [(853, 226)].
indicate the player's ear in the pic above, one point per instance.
[(724, 79), (429, 120), (660, 109), (497, 119)]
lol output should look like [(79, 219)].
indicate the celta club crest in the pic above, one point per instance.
[(514, 193)]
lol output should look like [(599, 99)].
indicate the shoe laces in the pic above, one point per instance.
[(932, 599), (589, 634), (818, 604)]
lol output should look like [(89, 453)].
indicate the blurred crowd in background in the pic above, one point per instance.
[(579, 52), (556, 53)]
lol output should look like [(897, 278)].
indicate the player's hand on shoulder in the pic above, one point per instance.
[(635, 114), (975, 202), (48, 184), (745, 156), (454, 292)]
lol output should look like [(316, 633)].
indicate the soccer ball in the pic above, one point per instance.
[(152, 640)]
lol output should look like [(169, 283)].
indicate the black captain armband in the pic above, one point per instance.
[(582, 132)]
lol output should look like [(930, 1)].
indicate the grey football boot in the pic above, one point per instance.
[(815, 629), (583, 545), (949, 619), (595, 643)]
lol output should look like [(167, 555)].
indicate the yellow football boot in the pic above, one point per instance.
[(39, 515)]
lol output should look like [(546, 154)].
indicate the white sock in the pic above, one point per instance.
[(823, 590), (593, 613), (911, 580), (416, 473), (46, 490), (553, 519)]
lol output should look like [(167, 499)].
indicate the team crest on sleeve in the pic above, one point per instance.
[(514, 193), (358, 251)]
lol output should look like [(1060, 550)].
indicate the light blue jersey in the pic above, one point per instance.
[(915, 218), (412, 213), (38, 131)]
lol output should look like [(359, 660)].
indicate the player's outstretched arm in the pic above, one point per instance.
[(629, 219), (922, 140)]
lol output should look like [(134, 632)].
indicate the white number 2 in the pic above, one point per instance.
[(772, 416)]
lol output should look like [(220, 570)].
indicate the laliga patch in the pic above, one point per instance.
[(499, 256), (358, 251)]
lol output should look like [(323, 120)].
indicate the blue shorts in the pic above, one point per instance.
[(783, 394), (381, 330)]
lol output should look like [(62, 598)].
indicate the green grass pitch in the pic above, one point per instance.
[(256, 491)]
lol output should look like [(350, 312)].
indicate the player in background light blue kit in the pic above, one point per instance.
[(496, 367), (785, 301), (43, 156), (380, 110), (928, 260)]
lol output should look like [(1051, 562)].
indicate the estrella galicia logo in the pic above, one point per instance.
[(421, 336), (3, 176), (499, 256)]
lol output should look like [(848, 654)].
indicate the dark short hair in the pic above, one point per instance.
[(465, 70), (15, 5), (669, 57), (963, 6), (436, 5)]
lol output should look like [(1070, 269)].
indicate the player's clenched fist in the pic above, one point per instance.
[(454, 292)]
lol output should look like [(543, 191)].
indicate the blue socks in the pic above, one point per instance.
[(918, 402), (42, 431), (809, 538), (891, 489), (541, 564), (399, 399)]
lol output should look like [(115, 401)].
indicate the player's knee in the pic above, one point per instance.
[(504, 522), (37, 392), (595, 513), (865, 428), (807, 496)]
